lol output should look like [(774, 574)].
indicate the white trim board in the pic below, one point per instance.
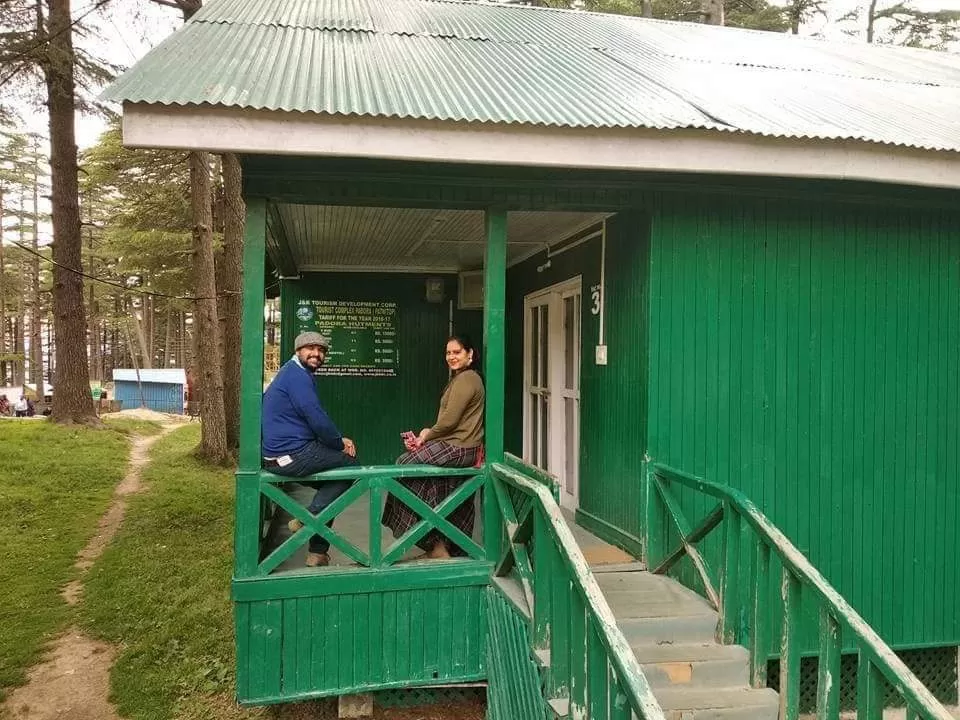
[(274, 132)]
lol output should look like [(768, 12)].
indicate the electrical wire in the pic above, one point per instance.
[(121, 286)]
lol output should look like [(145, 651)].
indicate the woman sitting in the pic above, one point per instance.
[(456, 440)]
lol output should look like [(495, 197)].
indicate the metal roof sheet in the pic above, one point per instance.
[(325, 236), (173, 376), (486, 62)]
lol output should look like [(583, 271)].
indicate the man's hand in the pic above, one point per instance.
[(349, 447)]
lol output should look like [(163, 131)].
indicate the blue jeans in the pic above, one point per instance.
[(313, 458)]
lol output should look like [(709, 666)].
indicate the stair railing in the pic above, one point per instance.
[(589, 669), (742, 521)]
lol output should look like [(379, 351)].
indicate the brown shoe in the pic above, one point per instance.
[(294, 525), (317, 559)]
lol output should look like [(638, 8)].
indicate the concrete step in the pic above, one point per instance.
[(618, 568), (645, 584), (694, 665), (733, 703), (692, 628), (630, 605)]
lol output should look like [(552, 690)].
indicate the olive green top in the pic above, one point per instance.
[(460, 420)]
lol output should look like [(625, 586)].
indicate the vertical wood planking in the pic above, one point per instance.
[(837, 320), (306, 645)]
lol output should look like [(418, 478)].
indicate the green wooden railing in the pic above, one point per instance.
[(589, 669), (377, 481), (744, 526)]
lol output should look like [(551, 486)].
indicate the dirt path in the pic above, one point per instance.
[(73, 682)]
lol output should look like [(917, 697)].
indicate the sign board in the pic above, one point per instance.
[(363, 335)]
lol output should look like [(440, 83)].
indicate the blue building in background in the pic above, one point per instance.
[(161, 390)]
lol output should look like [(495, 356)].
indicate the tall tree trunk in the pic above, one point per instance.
[(4, 362), (168, 336), (871, 19), (230, 300), (140, 322), (647, 6), (36, 330), (72, 401), (116, 358), (20, 370), (712, 12), (213, 436), (96, 366)]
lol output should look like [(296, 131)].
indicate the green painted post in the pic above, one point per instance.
[(790, 648), (760, 631), (495, 300), (828, 667), (869, 690), (247, 530), (655, 521), (376, 529), (730, 578)]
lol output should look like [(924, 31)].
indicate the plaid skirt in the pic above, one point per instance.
[(400, 518)]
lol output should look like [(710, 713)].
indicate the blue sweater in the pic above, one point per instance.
[(293, 415)]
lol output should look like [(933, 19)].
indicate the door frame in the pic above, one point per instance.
[(554, 295)]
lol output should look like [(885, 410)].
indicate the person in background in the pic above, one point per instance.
[(21, 408), (300, 439), (455, 440), (4, 405)]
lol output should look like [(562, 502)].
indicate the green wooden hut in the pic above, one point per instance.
[(717, 277)]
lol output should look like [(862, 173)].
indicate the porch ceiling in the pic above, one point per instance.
[(325, 237)]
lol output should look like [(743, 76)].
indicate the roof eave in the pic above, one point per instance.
[(277, 132)]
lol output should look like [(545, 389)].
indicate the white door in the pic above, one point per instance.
[(551, 411)]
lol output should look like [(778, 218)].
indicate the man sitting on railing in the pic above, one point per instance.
[(300, 439)]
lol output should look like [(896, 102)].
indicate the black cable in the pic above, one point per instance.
[(113, 283)]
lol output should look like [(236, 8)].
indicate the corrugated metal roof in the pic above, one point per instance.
[(484, 62), (173, 376), (325, 236)]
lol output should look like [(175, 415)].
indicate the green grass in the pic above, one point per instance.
[(161, 591), (56, 482), (131, 426)]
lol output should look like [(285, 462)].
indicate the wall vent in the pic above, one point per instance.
[(471, 290)]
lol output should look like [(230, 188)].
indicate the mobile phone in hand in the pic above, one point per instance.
[(408, 436)]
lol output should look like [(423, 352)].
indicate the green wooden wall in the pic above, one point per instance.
[(613, 398), (808, 355), (292, 648), (514, 685), (374, 411)]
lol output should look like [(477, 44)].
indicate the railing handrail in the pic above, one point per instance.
[(879, 653), (359, 472), (374, 480), (621, 656)]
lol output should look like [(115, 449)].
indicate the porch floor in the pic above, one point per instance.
[(353, 523)]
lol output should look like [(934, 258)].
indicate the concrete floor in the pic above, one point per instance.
[(353, 523)]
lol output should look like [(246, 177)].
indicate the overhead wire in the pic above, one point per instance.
[(121, 286)]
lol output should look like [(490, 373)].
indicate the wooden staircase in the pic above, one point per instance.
[(671, 631)]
